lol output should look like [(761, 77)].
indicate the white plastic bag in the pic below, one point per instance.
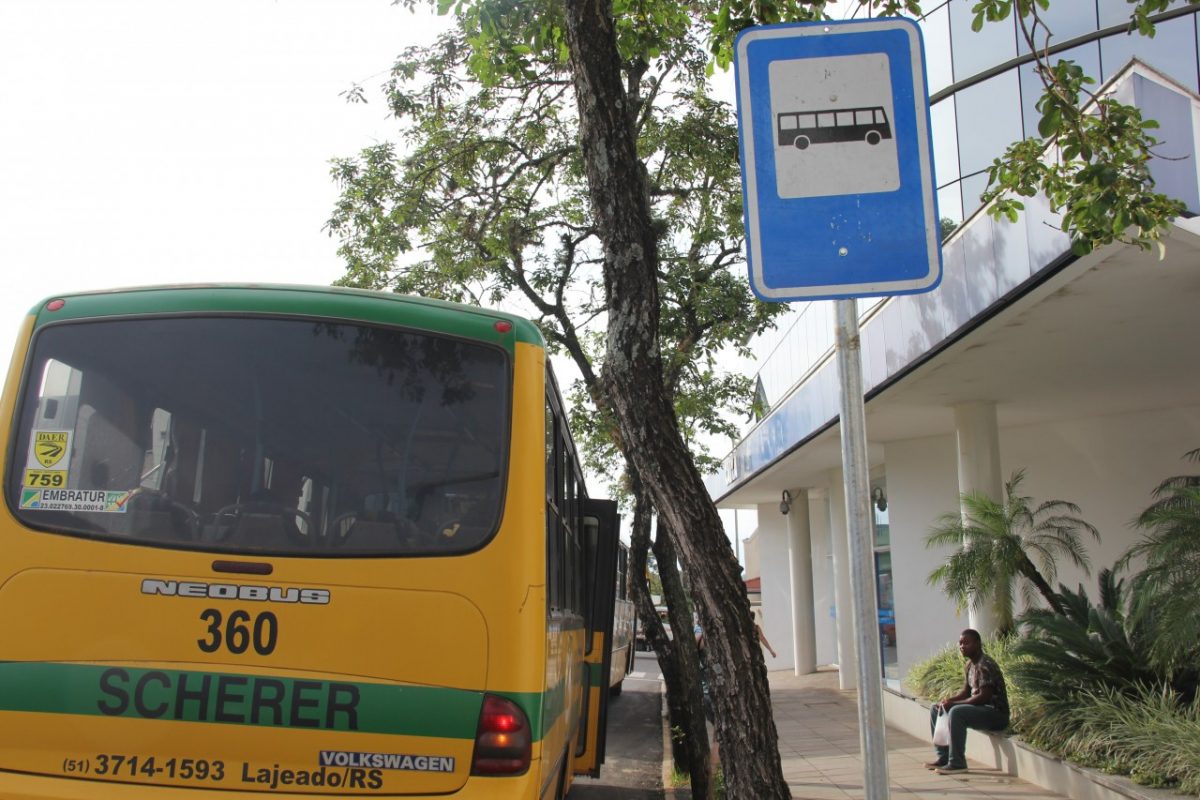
[(941, 730)]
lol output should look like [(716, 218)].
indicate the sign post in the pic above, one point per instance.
[(837, 179)]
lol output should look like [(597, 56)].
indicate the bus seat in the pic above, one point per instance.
[(264, 531), (374, 531), (148, 524), (257, 526)]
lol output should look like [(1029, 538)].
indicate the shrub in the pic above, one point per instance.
[(1086, 647)]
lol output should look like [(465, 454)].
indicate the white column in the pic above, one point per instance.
[(979, 472), (847, 655), (823, 596), (772, 540), (800, 556)]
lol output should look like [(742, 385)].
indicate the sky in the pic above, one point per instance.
[(173, 141)]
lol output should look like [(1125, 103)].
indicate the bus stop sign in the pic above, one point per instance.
[(837, 167)]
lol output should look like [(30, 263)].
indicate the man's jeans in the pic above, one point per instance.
[(981, 718)]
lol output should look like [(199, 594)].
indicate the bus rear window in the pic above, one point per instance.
[(262, 435)]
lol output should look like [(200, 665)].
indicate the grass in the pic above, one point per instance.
[(1148, 736), (679, 779)]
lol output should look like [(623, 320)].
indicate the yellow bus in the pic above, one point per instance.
[(624, 625), (295, 541)]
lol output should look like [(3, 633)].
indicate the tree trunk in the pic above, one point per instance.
[(1030, 571), (689, 716), (678, 658), (633, 377)]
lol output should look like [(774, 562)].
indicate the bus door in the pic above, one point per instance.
[(601, 527)]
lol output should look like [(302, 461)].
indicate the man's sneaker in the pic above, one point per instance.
[(936, 764), (950, 769)]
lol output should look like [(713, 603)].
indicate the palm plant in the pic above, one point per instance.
[(1166, 587), (998, 543), (1085, 647)]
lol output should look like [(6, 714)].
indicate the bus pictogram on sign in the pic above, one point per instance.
[(800, 129)]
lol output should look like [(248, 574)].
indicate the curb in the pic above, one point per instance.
[(667, 767)]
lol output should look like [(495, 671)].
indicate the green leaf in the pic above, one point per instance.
[(1050, 124)]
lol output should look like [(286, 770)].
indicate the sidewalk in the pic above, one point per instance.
[(818, 743)]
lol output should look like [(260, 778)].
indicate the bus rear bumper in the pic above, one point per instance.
[(20, 786)]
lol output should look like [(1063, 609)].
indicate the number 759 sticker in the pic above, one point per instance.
[(45, 479)]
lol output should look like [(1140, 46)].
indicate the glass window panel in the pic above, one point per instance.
[(825, 120), (989, 120), (208, 442), (935, 28), (864, 117), (1066, 20), (1117, 12), (945, 141), (787, 122), (972, 187), (845, 118), (1086, 56), (976, 52), (950, 202), (1172, 51), (807, 120)]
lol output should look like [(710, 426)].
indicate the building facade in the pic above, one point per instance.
[(1078, 370)]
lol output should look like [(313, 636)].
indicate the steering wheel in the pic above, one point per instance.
[(157, 500), (226, 519)]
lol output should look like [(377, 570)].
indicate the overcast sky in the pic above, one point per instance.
[(167, 141), (173, 141)]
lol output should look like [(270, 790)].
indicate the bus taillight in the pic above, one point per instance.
[(503, 743)]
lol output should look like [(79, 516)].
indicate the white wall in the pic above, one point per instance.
[(750, 558), (1106, 465)]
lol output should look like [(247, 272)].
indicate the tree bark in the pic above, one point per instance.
[(677, 658), (633, 377)]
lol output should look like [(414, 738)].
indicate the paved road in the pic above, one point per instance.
[(633, 762)]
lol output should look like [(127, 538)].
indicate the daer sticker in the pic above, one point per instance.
[(48, 448)]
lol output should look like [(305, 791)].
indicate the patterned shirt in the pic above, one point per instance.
[(987, 673)]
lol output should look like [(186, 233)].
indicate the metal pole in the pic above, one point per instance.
[(871, 730)]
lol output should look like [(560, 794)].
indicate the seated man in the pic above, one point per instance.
[(982, 704)]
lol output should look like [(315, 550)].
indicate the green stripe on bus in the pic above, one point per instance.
[(260, 700), (350, 304), (595, 674)]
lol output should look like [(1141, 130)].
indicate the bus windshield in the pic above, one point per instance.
[(262, 435)]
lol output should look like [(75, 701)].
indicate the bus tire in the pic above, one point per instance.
[(801, 142), (873, 137)]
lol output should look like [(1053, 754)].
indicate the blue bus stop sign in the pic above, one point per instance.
[(837, 167)]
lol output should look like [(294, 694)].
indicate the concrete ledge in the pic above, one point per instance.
[(1014, 757)]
